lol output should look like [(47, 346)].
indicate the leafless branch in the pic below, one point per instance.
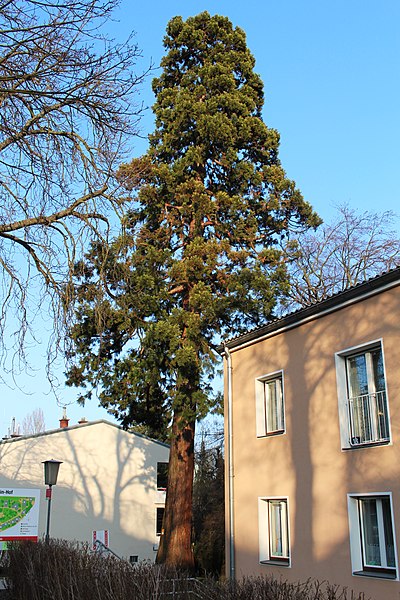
[(68, 113), (353, 248)]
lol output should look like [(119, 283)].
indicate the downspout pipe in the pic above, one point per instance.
[(230, 465)]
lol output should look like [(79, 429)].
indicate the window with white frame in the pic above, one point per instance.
[(372, 538), (270, 415), (363, 403), (273, 530)]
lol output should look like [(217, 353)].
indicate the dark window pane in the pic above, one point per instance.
[(387, 525), (371, 533), (379, 376), (162, 475), (159, 520), (358, 380)]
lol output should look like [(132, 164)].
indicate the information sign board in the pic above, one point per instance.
[(19, 515)]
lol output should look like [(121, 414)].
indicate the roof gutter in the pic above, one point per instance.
[(304, 315)]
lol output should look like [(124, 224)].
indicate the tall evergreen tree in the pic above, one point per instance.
[(198, 258)]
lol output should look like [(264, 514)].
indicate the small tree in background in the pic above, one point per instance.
[(209, 509), (198, 258), (34, 422), (338, 255)]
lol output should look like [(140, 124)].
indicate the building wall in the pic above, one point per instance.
[(107, 481), (307, 464)]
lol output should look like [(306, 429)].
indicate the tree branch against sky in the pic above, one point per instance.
[(352, 248), (198, 257), (68, 108)]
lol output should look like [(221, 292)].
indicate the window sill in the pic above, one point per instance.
[(376, 574), (276, 563), (369, 445), (271, 434)]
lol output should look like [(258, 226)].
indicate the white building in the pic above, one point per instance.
[(109, 479)]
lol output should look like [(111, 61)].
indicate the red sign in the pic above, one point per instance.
[(100, 539)]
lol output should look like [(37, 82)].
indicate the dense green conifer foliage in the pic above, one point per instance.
[(198, 258)]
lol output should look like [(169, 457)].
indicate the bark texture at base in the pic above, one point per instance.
[(175, 548)]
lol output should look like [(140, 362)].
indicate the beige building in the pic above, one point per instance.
[(313, 443), (109, 479)]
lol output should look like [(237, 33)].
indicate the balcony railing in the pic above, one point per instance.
[(368, 416)]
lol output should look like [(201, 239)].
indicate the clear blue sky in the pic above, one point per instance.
[(331, 72)]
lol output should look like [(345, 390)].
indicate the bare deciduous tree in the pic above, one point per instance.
[(338, 255), (67, 98), (34, 422)]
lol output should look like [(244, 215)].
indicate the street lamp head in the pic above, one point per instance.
[(51, 471)]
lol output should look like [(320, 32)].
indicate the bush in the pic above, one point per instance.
[(66, 571), (268, 588)]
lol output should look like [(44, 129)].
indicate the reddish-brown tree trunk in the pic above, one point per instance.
[(175, 548)]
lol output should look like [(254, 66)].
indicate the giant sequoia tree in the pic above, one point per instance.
[(198, 257)]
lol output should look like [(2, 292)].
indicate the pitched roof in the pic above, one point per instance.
[(360, 291), (81, 426)]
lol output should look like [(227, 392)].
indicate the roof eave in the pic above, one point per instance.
[(336, 302)]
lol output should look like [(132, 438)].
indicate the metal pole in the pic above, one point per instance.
[(48, 496), (229, 450)]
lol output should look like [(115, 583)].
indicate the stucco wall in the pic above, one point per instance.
[(307, 464), (107, 481)]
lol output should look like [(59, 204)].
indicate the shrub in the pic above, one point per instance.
[(62, 570)]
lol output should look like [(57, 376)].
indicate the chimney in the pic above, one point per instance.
[(14, 431), (64, 419), (83, 420)]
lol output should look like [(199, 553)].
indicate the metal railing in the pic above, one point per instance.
[(182, 589), (171, 589), (368, 417), (104, 550)]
